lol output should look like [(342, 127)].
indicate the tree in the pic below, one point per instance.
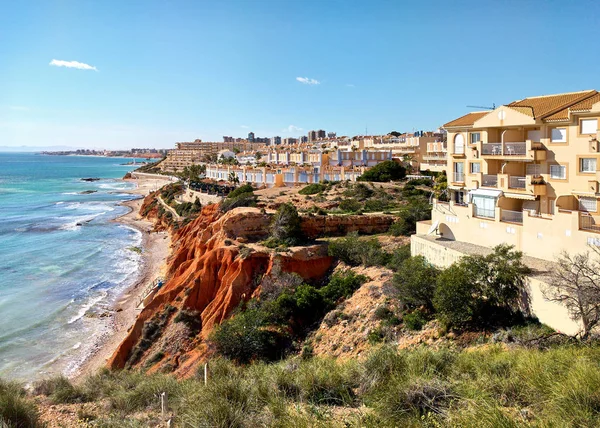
[(233, 178), (384, 171), (575, 282), (417, 209), (285, 226), (482, 290), (415, 281), (440, 188)]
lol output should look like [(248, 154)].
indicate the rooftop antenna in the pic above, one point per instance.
[(485, 108)]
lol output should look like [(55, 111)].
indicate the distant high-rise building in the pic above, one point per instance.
[(251, 137), (276, 140), (321, 133), (228, 139), (290, 141), (331, 135), (304, 139), (312, 136)]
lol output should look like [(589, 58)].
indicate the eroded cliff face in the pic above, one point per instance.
[(209, 273)]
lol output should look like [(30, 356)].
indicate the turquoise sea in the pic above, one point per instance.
[(63, 261)]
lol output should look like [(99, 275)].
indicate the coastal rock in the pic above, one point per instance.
[(87, 192), (90, 179)]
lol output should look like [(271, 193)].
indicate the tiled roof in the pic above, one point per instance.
[(549, 104), (466, 120), (581, 106), (586, 104)]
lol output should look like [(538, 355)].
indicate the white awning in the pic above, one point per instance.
[(490, 193)]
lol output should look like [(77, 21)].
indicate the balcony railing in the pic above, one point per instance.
[(484, 212), (512, 216), (459, 177), (509, 149), (589, 222), (517, 182), (489, 180), (491, 149)]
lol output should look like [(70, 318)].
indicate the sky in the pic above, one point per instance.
[(122, 74)]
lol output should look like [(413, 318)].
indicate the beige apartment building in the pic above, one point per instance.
[(421, 148), (524, 174), (189, 153)]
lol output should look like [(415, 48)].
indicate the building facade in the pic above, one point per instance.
[(525, 174)]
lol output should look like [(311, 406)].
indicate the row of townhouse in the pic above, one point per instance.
[(321, 158), (189, 153), (282, 176), (526, 174)]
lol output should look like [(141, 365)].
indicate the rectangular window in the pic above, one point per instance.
[(588, 204), (587, 165), (559, 135), (484, 206), (588, 126), (532, 169), (475, 137), (558, 172), (475, 168)]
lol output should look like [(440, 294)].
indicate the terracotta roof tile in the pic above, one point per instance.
[(466, 120), (586, 104), (550, 104)]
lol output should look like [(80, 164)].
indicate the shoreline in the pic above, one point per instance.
[(155, 251)]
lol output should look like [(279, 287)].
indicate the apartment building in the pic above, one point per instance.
[(421, 148), (189, 153), (525, 174)]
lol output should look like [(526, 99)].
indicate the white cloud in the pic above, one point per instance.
[(72, 64), (308, 81), (292, 129), (350, 85)]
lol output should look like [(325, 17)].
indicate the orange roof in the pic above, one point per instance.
[(538, 107), (582, 106), (466, 120), (586, 104)]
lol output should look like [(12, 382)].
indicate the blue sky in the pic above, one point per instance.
[(170, 71)]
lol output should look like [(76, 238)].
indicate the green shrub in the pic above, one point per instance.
[(60, 390), (312, 189), (191, 318), (355, 251), (415, 281), (414, 320), (247, 199), (285, 226), (417, 209), (399, 255), (384, 171), (342, 285), (246, 188), (15, 409), (350, 205)]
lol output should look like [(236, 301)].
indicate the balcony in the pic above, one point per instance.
[(484, 212), (489, 180), (509, 216), (516, 150), (530, 184), (517, 182), (589, 222)]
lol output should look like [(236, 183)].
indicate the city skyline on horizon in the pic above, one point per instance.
[(150, 74)]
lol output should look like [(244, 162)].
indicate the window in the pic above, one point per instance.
[(475, 168), (534, 135), (588, 204), (459, 144), (588, 126), (484, 206), (559, 135), (459, 175), (475, 137), (558, 172), (587, 165)]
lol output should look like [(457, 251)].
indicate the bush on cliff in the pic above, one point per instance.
[(384, 171), (417, 209), (245, 199), (246, 188), (355, 251), (416, 282), (312, 189), (285, 226)]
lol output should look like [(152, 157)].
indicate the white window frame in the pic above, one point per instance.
[(563, 172), (473, 134), (588, 204), (478, 167), (587, 127), (583, 161), (563, 135), (459, 149)]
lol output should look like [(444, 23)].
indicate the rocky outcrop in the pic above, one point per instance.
[(338, 225), (209, 274)]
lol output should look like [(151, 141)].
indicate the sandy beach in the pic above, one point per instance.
[(155, 250)]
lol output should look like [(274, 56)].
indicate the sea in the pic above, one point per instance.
[(63, 260)]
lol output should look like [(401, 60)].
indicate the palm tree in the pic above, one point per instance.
[(233, 178)]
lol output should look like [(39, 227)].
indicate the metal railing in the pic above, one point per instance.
[(589, 222), (517, 182), (509, 149), (489, 180), (491, 149), (512, 216), (459, 177), (484, 212)]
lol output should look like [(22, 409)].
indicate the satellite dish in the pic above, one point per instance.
[(434, 227)]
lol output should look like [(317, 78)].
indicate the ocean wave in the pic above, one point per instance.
[(90, 303)]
